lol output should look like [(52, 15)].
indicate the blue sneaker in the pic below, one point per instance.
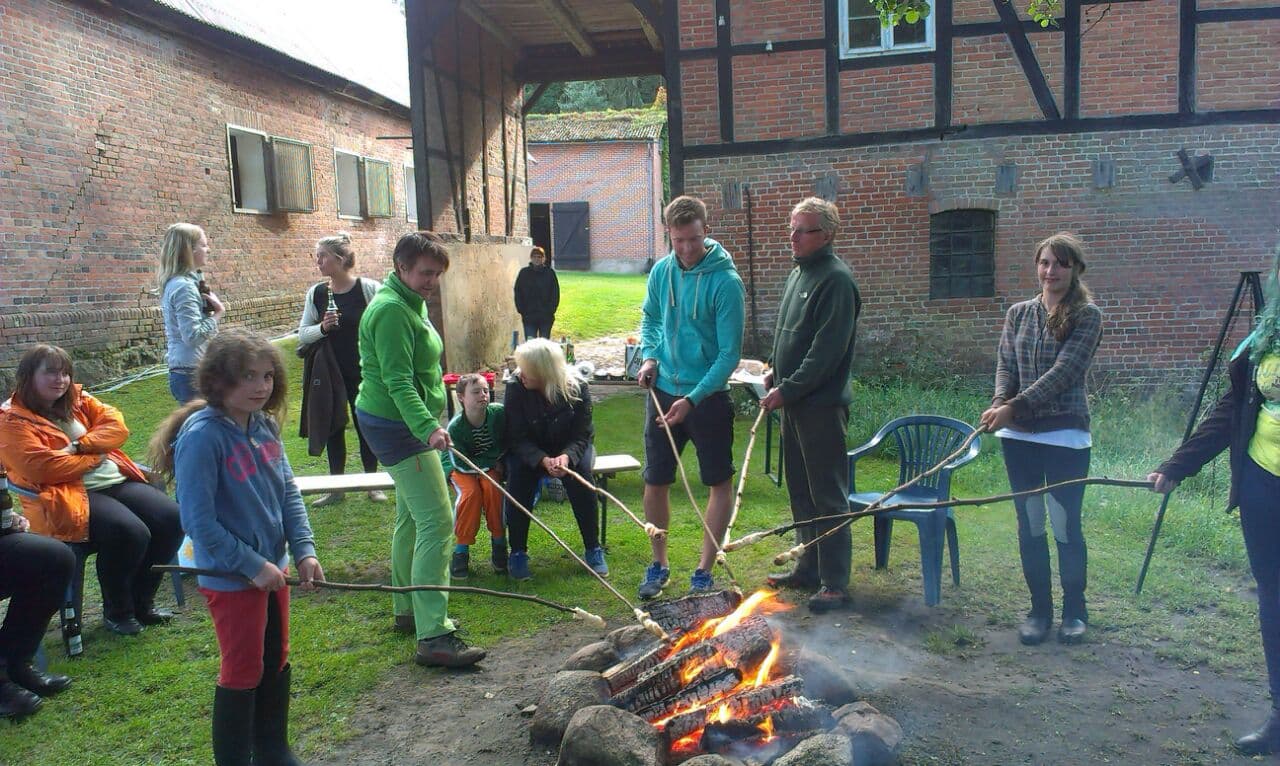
[(655, 579), (518, 566), (595, 560), (700, 581)]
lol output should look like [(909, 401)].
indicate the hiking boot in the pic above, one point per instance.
[(792, 579), (595, 559), (655, 579), (16, 701), (701, 581), (404, 623), (498, 557), (460, 565), (1265, 740), (1034, 630), (1071, 632), (377, 496), (447, 651), (330, 498), (828, 599), (518, 566)]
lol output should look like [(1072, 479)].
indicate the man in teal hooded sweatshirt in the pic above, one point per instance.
[(691, 341)]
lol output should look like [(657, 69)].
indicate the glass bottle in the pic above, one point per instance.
[(332, 307)]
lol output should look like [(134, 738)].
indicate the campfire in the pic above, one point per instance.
[(728, 686), (719, 687)]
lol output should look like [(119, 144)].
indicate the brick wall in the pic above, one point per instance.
[(1163, 259), (119, 130), (621, 185)]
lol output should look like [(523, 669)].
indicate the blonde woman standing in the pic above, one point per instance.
[(191, 312)]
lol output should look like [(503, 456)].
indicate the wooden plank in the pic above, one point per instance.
[(349, 482)]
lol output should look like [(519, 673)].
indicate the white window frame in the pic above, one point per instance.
[(231, 170), (337, 187), (886, 46), (410, 193)]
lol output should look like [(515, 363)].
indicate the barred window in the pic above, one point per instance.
[(962, 254), (363, 186)]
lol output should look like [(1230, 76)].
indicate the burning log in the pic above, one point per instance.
[(707, 686), (679, 614), (626, 673), (803, 715), (744, 704), (745, 644), (663, 680)]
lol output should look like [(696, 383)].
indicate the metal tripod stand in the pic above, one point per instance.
[(1251, 280)]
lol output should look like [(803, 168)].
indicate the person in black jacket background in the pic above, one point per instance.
[(1247, 420), (537, 295), (549, 429)]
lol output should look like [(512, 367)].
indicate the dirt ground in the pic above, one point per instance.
[(996, 702)]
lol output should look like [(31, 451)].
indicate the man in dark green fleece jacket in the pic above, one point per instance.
[(812, 359)]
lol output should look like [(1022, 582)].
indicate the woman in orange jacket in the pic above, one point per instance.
[(61, 447)]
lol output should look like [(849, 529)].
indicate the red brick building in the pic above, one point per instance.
[(595, 188), (118, 119), (954, 144)]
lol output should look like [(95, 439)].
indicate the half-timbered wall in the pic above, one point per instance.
[(1075, 127), (474, 147)]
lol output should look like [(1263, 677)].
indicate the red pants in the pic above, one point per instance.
[(475, 493), (253, 633)]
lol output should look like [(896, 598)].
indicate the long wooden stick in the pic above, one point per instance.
[(742, 477), (756, 537), (795, 552), (651, 530), (721, 559), (578, 613), (641, 616)]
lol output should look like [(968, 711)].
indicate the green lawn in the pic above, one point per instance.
[(598, 305), (147, 700)]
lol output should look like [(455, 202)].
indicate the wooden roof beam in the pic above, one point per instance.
[(568, 22), (490, 25), (650, 34)]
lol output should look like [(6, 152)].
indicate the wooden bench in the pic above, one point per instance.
[(604, 468)]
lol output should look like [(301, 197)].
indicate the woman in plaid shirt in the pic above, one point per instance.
[(1040, 411)]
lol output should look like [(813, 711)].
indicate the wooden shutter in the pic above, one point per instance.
[(377, 188), (290, 176)]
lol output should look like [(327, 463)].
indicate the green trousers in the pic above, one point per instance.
[(422, 542)]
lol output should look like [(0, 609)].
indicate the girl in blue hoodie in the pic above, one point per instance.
[(245, 515)]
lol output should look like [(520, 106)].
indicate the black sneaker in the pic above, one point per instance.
[(460, 565), (499, 558), (447, 651)]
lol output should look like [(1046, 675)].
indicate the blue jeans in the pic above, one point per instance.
[(1259, 497), (182, 384)]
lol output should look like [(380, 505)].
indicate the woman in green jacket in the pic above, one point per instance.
[(401, 397)]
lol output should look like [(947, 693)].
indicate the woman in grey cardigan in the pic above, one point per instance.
[(331, 314), (1040, 411)]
